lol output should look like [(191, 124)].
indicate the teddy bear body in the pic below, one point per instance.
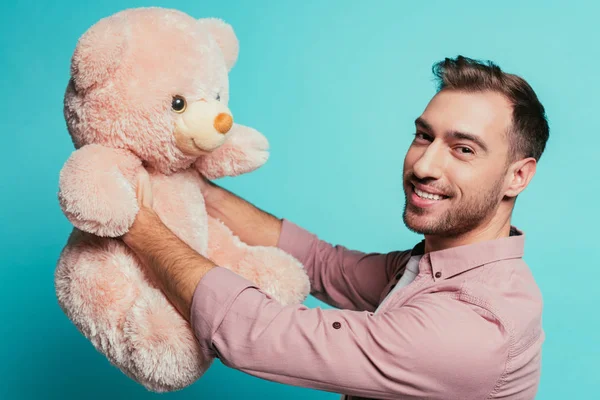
[(116, 305), (177, 129)]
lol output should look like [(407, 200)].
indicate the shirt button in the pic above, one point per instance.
[(438, 274), (398, 276), (337, 325)]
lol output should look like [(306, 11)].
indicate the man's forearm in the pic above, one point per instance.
[(175, 266), (251, 224)]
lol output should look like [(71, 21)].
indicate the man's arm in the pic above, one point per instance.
[(251, 224), (340, 277), (173, 265), (435, 347)]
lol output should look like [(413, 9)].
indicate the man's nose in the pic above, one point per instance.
[(430, 164)]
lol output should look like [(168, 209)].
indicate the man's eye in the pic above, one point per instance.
[(465, 150), (421, 135)]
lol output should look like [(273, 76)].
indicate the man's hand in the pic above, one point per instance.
[(146, 218), (175, 266)]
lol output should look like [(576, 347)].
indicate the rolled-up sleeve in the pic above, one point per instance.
[(436, 347), (340, 277)]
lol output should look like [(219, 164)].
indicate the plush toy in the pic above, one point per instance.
[(149, 90)]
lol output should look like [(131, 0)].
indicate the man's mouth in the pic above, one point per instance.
[(424, 199), (428, 196)]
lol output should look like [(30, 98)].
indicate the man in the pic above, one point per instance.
[(462, 313)]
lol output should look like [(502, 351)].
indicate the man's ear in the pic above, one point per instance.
[(521, 173), (223, 34)]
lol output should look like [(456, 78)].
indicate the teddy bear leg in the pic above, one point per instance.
[(95, 286), (165, 355), (270, 268), (104, 291)]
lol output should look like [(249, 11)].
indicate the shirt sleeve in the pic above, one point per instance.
[(340, 277), (435, 347)]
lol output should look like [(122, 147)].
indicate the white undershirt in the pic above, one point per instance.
[(409, 275)]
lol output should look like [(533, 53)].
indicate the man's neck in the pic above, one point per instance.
[(494, 229)]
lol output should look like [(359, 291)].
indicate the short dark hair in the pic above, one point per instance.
[(529, 132)]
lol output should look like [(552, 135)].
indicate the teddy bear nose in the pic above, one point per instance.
[(223, 123)]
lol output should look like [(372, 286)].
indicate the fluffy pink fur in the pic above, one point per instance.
[(125, 70)]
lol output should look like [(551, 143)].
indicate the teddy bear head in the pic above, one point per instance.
[(153, 81)]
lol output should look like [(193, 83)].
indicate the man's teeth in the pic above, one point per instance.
[(428, 196)]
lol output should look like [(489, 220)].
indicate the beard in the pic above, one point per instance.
[(459, 219)]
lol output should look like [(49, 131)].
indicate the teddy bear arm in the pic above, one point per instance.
[(245, 150), (97, 190), (276, 272)]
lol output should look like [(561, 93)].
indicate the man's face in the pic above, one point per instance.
[(459, 152)]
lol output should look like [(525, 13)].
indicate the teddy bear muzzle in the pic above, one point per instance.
[(202, 126)]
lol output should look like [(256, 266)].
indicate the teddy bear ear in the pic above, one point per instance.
[(98, 52), (225, 37)]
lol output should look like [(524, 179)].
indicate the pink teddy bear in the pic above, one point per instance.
[(149, 90)]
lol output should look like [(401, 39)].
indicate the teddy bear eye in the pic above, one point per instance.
[(178, 104)]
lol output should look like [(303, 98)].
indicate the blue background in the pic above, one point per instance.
[(335, 86)]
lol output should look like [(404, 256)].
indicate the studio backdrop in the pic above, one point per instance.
[(335, 86)]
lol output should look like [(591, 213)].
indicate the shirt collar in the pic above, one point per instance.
[(455, 260)]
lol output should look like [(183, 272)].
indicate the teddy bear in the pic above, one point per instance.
[(148, 92)]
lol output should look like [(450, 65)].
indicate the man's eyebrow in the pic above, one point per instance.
[(420, 122), (423, 124)]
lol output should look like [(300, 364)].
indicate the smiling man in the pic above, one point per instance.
[(457, 316)]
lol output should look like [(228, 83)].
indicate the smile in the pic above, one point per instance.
[(421, 199), (428, 196)]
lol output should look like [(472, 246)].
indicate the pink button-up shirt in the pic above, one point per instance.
[(468, 327)]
